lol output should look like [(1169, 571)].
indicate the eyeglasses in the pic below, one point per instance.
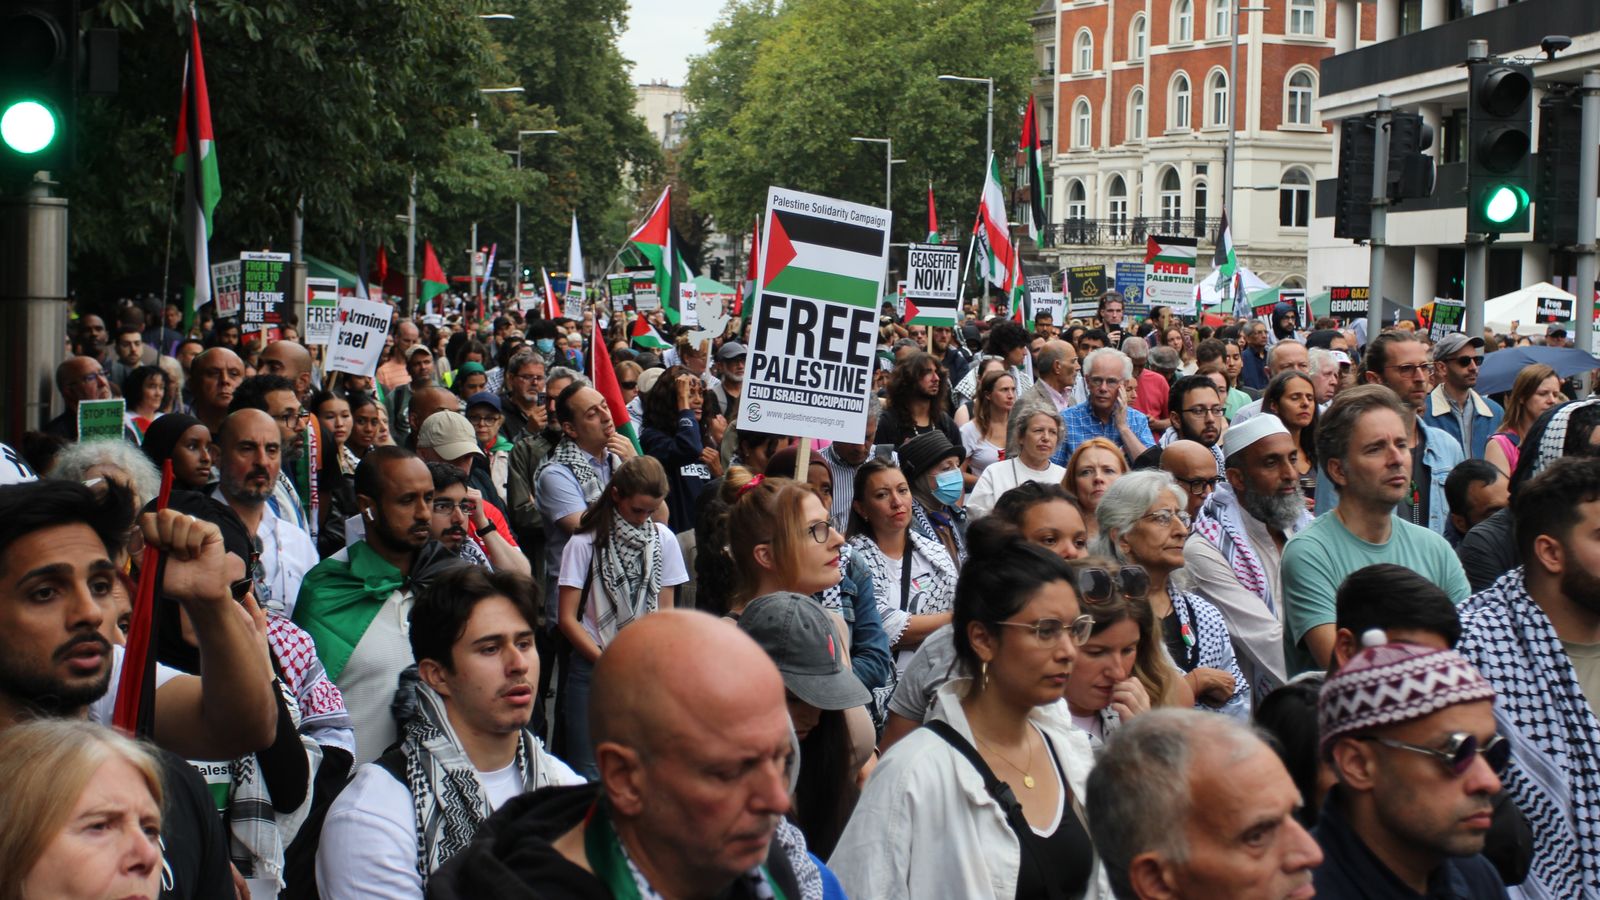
[(820, 530), (1214, 412), (1467, 362), (483, 420), (291, 417), (1104, 382), (94, 376), (1458, 752), (1410, 370), (628, 385), (448, 507), (1164, 517), (1199, 487), (1049, 631), (1098, 584)]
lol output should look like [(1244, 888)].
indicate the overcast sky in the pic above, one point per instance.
[(663, 34)]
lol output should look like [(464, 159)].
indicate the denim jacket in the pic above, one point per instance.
[(870, 658), (1440, 454)]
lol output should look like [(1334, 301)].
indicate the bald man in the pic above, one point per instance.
[(213, 377), (250, 458), (78, 378), (694, 780), (292, 361), (425, 403), (1195, 468)]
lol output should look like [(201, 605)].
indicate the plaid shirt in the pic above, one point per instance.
[(1079, 424)]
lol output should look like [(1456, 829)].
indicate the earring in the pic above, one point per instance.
[(983, 672)]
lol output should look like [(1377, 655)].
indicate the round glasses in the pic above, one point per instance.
[(1458, 752), (1048, 632)]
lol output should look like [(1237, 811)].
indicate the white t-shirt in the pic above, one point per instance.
[(980, 453), (100, 711), (369, 840), (577, 556)]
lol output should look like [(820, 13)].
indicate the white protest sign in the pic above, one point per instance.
[(227, 282), (322, 310), (358, 336), (1052, 301), (933, 284), (572, 302), (1169, 273), (688, 305), (814, 330)]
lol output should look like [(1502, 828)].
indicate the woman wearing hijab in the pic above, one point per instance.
[(187, 442)]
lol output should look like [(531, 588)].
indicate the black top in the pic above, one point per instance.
[(892, 431), (1064, 857), (1350, 870), (194, 846)]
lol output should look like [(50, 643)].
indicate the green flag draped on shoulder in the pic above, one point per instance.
[(341, 600)]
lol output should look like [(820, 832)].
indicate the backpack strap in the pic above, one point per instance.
[(1002, 794), (393, 761)]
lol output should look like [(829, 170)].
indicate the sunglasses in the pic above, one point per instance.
[(1099, 584), (628, 385), (1458, 752), (1467, 362)]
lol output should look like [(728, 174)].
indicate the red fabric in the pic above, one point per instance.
[(1150, 397)]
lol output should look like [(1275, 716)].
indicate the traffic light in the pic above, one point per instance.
[(1499, 146), (1352, 212), (1411, 169), (38, 84), (1555, 218)]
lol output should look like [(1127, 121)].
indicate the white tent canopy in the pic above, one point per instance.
[(1521, 307), (1211, 293)]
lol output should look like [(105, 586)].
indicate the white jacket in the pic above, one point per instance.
[(926, 827)]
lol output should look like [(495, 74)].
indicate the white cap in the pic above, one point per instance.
[(1253, 429)]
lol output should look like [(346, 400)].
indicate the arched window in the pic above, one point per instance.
[(1081, 120), (1077, 201), (1298, 109), (1136, 38), (1136, 114), (1171, 200), (1294, 199), (1200, 200), (1294, 282), (1117, 207), (1221, 18), (1083, 51), (1303, 17), (1182, 21), (1178, 118), (1217, 102)]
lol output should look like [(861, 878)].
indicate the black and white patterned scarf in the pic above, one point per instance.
[(629, 566), (1555, 760), (927, 599), (569, 454)]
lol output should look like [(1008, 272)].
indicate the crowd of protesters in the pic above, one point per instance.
[(1120, 607)]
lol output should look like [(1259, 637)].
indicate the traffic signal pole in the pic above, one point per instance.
[(33, 309), (1475, 287), (1588, 183), (1380, 213)]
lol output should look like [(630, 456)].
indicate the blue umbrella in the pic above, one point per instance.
[(1500, 368)]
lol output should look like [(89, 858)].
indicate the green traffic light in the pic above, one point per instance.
[(1504, 203), (27, 126)]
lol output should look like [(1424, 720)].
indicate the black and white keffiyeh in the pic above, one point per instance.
[(935, 596), (569, 454), (1554, 774), (629, 570)]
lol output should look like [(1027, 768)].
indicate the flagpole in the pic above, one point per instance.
[(166, 259)]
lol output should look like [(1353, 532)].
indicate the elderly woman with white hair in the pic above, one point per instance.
[(117, 461), (1143, 523), (1032, 436)]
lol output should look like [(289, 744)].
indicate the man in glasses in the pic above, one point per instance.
[(1454, 407), (1410, 733), (455, 503), (1198, 414), (522, 401), (1535, 635), (79, 378), (1399, 361), (1235, 551), (250, 460)]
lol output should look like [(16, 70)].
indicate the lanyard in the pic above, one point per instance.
[(905, 576)]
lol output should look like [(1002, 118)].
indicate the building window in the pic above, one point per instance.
[(1221, 18), (1453, 141), (1048, 67), (1200, 200), (1136, 38), (1183, 21), (1081, 136), (1136, 114), (1301, 89), (1219, 100), (1118, 208), (1171, 202), (1303, 17), (1083, 52), (1294, 199), (1077, 202), (1179, 117), (1410, 16)]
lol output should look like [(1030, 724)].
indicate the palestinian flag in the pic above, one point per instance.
[(1224, 259), (655, 241), (603, 375), (823, 258), (747, 291), (933, 217), (1034, 173), (194, 156), (993, 232), (552, 305), (643, 335), (433, 280)]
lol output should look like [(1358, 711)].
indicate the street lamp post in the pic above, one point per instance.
[(988, 141), (472, 251), (517, 255), (888, 167), (1233, 107)]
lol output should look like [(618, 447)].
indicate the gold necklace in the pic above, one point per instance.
[(1027, 780)]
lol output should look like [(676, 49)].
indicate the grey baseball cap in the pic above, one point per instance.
[(795, 631)]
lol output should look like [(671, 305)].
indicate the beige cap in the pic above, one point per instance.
[(448, 434)]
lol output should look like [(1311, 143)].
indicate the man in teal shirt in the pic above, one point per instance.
[(1363, 448)]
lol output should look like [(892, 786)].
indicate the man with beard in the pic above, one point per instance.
[(1535, 635), (93, 340), (1197, 412), (1236, 549), (250, 462), (521, 398), (455, 503), (1362, 444), (355, 604), (1454, 407), (58, 607), (730, 383), (275, 396), (420, 368), (213, 377), (1409, 731)]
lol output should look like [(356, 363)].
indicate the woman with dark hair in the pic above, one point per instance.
[(983, 439), (367, 423), (333, 411), (913, 577), (187, 442), (144, 392), (965, 411), (917, 399), (1018, 624), (672, 434), (1292, 397)]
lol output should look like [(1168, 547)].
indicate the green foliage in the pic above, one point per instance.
[(783, 90)]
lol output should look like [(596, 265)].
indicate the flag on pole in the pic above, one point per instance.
[(643, 335), (1019, 297), (653, 240), (933, 219), (993, 232), (743, 303), (552, 306), (433, 280), (361, 270), (1224, 259), (1035, 172), (488, 269), (575, 275), (195, 158), (603, 375)]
